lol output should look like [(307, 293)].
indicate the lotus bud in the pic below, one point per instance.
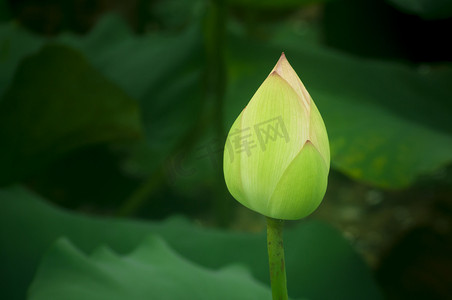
[(277, 155)]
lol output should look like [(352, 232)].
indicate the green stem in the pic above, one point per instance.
[(276, 259)]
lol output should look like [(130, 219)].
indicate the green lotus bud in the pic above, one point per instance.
[(277, 155)]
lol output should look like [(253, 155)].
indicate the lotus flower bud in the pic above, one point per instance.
[(277, 155)]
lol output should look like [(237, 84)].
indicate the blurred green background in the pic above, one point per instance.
[(113, 118)]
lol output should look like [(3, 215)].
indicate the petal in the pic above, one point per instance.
[(272, 122), (317, 131), (302, 187), (318, 135), (231, 164), (285, 70)]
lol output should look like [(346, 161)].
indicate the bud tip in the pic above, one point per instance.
[(279, 65)]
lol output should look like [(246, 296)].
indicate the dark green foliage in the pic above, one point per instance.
[(58, 103), (28, 226)]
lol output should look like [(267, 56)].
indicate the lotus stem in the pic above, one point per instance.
[(276, 259)]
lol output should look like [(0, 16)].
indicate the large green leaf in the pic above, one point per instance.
[(428, 9), (57, 103), (138, 63), (316, 254), (163, 71), (388, 123), (152, 271)]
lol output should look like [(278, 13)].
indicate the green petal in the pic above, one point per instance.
[(302, 187), (273, 125), (318, 135), (231, 165)]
